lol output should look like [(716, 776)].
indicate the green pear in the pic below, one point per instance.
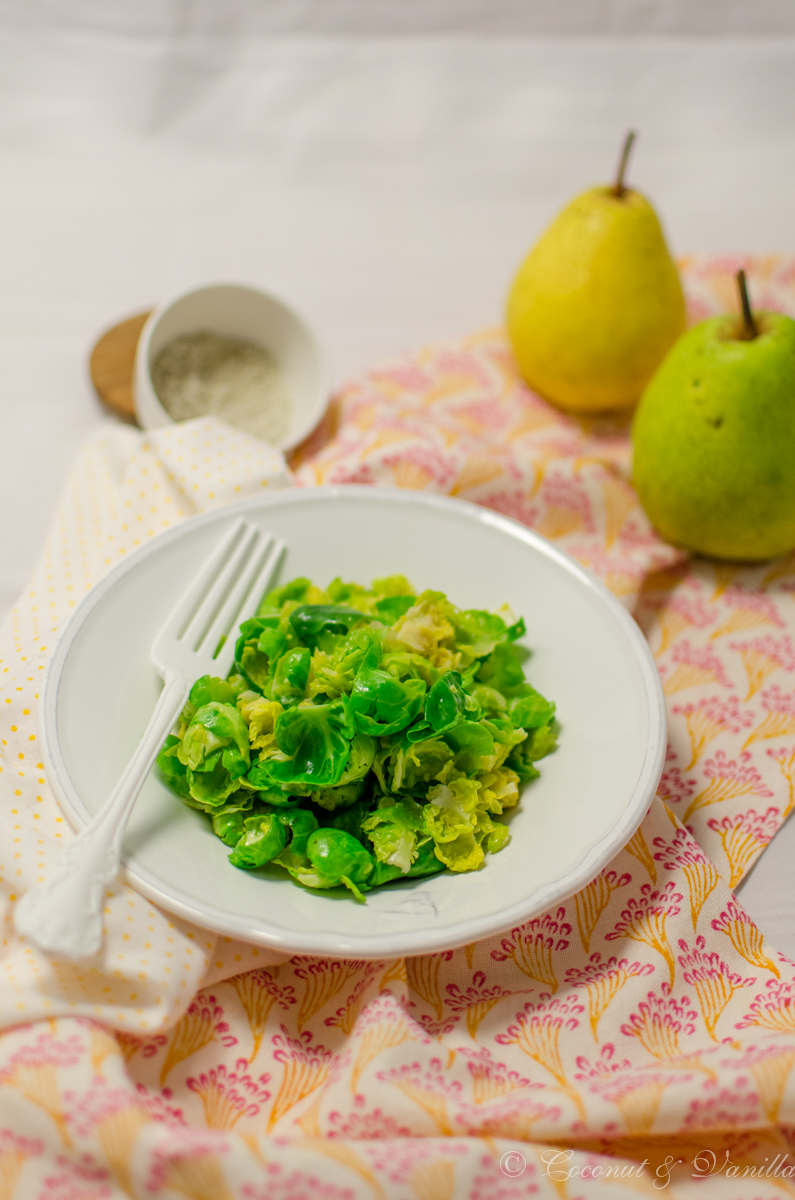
[(597, 303), (714, 438)]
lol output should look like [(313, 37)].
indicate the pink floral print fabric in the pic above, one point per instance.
[(637, 1039)]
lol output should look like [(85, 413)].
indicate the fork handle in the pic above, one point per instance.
[(63, 916)]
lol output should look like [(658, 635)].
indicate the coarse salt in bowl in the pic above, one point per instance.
[(250, 315)]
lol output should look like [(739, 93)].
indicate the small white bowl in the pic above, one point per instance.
[(236, 310)]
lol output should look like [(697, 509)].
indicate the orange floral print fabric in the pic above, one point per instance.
[(637, 1039)]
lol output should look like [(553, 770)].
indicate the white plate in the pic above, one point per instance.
[(588, 656)]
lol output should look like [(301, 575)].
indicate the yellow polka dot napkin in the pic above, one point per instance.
[(124, 488)]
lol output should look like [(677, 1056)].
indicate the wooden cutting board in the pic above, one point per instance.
[(112, 364)]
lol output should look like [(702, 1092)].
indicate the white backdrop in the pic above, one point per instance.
[(235, 18), (384, 164)]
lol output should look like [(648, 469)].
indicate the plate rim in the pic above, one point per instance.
[(384, 944)]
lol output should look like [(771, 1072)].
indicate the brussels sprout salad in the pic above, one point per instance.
[(365, 735)]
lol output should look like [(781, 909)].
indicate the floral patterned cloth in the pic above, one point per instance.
[(638, 1038)]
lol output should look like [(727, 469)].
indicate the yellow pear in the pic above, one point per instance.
[(597, 303)]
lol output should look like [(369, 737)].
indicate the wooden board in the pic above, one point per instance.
[(112, 365)]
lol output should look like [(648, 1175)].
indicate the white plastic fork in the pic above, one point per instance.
[(62, 916)]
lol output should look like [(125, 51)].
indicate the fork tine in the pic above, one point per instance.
[(247, 598), (188, 605), (256, 549), (211, 603)]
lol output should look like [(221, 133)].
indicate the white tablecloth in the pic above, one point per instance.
[(387, 184)]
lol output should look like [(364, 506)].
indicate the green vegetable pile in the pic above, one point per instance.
[(364, 735)]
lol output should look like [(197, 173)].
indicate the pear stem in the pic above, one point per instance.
[(618, 186), (751, 329)]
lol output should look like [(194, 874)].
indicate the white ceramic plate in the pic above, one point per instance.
[(588, 655)]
